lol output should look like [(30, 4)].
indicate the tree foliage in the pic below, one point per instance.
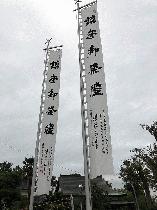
[(152, 129), (27, 171), (9, 184), (11, 179), (53, 201), (100, 199), (140, 170)]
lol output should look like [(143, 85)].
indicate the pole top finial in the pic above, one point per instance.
[(77, 1), (48, 41)]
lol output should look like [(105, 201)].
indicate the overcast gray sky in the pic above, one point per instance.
[(128, 33)]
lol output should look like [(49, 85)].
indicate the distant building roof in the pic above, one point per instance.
[(75, 184), (72, 184), (122, 203), (117, 194)]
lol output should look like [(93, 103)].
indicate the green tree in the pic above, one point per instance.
[(149, 155), (9, 184), (133, 171), (152, 129), (100, 199), (27, 171), (53, 201), (140, 169)]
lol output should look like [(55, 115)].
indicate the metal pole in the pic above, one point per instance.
[(72, 202), (81, 205), (84, 125), (137, 206), (38, 133), (81, 191)]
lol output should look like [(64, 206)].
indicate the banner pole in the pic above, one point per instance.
[(84, 121), (39, 131)]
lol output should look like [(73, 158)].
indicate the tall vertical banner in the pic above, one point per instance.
[(100, 150), (49, 124)]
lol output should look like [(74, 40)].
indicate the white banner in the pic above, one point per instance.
[(49, 124), (101, 162)]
